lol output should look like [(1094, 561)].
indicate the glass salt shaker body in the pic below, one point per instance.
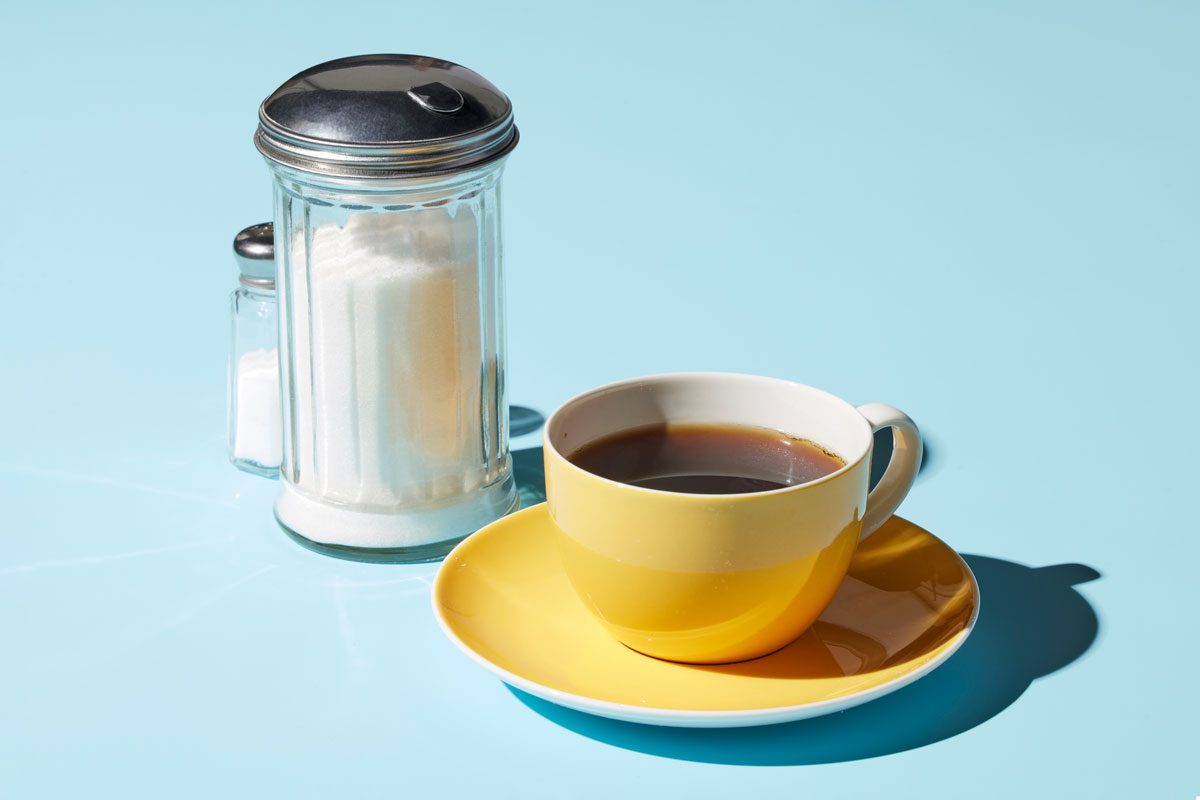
[(395, 421), (255, 440)]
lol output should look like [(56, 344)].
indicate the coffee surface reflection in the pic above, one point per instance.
[(706, 458)]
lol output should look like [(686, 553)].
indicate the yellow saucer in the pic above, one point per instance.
[(907, 604)]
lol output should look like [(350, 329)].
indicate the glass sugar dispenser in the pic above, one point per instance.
[(387, 227), (255, 431)]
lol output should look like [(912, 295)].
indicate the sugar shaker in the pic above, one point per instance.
[(387, 176)]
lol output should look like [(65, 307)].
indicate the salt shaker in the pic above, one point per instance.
[(255, 435), (387, 188)]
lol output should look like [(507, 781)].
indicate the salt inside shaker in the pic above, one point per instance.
[(387, 192), (254, 417)]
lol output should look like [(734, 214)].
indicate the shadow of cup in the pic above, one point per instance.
[(1032, 623)]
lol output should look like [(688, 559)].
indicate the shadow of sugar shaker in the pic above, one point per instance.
[(530, 475), (523, 420), (1032, 623), (528, 470)]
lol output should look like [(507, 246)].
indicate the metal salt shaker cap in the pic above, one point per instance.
[(254, 251), (386, 116)]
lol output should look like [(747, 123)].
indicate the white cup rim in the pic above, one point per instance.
[(852, 460)]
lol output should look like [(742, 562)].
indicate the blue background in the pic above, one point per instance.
[(983, 213)]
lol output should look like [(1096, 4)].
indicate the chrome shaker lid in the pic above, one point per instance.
[(254, 251), (385, 116)]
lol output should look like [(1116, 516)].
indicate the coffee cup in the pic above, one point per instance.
[(718, 578)]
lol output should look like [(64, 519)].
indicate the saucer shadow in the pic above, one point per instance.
[(1032, 623)]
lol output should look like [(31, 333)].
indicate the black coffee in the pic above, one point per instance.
[(706, 458)]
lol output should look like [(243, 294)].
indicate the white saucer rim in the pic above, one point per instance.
[(693, 718)]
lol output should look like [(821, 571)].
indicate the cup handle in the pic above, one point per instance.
[(901, 470)]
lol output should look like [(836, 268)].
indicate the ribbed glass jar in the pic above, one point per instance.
[(395, 421)]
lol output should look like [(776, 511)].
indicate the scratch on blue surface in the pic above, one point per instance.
[(87, 560), (100, 480)]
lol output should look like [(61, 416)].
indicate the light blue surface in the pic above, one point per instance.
[(983, 213)]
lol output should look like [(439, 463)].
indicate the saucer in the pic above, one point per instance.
[(906, 605)]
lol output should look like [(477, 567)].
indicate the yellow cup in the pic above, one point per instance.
[(712, 579)]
